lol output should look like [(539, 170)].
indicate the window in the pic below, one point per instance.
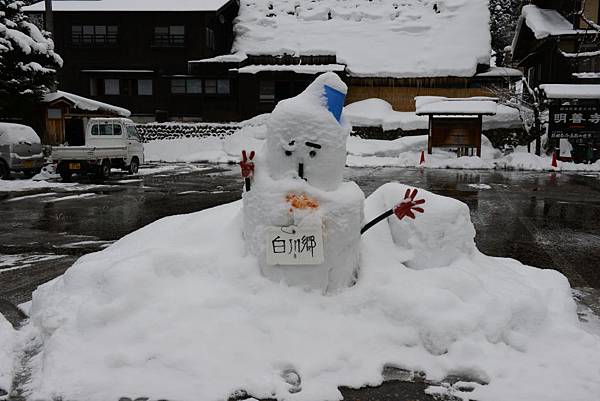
[(111, 87), (210, 39), (132, 133), (97, 35), (169, 36), (178, 86), (54, 114), (223, 86), (105, 129), (210, 86), (144, 87), (95, 129), (217, 86), (117, 129), (193, 86), (267, 92), (183, 86)]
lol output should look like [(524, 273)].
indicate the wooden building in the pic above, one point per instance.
[(215, 60), (556, 42), (134, 54), (63, 117)]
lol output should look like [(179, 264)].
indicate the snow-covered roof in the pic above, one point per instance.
[(427, 105), (501, 72), (226, 58), (83, 103), (130, 5), (297, 68), (565, 91), (587, 75), (384, 38), (546, 22)]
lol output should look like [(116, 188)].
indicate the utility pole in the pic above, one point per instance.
[(49, 17)]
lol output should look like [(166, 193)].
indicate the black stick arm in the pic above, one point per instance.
[(376, 220)]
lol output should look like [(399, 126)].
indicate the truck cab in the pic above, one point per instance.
[(109, 143)]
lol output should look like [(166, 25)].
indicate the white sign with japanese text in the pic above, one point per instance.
[(291, 245)]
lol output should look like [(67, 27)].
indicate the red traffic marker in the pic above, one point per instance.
[(247, 166), (422, 161), (554, 163)]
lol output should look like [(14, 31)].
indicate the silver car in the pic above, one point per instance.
[(20, 150)]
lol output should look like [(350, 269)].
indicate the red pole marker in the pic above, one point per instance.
[(403, 209), (247, 166), (554, 163), (422, 161)]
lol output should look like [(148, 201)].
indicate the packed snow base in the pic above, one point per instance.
[(160, 316)]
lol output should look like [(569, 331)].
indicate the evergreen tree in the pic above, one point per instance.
[(504, 15), (28, 63)]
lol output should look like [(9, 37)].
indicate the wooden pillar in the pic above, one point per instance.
[(429, 142), (478, 143)]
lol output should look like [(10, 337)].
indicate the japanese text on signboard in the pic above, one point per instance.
[(294, 246), (577, 123)]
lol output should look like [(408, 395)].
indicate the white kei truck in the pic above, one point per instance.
[(109, 142)]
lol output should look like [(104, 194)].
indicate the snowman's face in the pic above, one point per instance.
[(307, 148)]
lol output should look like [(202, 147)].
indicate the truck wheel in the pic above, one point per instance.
[(104, 170), (4, 171), (66, 176), (134, 166)]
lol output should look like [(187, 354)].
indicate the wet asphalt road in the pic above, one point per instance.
[(549, 220)]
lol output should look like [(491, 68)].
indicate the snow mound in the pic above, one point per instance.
[(7, 347), (441, 235), (16, 133), (179, 310)]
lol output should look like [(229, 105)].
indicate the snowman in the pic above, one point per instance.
[(300, 219)]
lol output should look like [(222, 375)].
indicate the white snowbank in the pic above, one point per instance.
[(159, 316), (376, 112), (7, 353), (402, 152), (373, 38)]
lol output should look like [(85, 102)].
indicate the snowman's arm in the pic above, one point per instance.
[(405, 208), (376, 220)]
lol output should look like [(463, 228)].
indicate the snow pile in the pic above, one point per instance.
[(379, 113), (161, 317), (16, 133), (430, 105), (373, 38), (376, 112), (7, 353), (565, 91), (28, 185)]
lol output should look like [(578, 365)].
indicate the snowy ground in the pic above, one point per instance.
[(426, 300), (402, 152)]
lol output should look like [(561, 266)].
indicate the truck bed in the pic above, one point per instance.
[(88, 152)]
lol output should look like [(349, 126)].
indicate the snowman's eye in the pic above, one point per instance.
[(288, 152), (312, 153)]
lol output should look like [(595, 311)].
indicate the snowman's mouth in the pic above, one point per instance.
[(301, 171)]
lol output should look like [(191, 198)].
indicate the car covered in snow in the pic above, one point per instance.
[(109, 143), (20, 150)]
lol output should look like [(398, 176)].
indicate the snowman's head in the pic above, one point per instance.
[(307, 137)]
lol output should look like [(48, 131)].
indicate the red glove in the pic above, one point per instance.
[(247, 165), (406, 207)]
